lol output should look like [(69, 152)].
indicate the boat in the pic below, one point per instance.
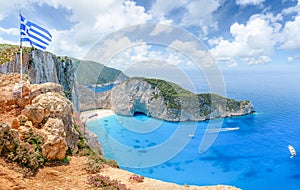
[(292, 151)]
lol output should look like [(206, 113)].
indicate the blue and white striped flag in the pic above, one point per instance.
[(37, 36)]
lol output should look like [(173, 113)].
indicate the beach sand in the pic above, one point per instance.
[(95, 114)]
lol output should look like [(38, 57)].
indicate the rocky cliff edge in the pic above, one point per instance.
[(163, 100), (42, 115)]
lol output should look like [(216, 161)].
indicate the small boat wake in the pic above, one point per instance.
[(216, 130), (292, 151)]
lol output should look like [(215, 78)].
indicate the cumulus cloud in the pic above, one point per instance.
[(160, 28), (140, 53), (2, 41), (199, 13), (195, 13), (295, 9), (110, 48), (194, 51), (91, 20), (249, 2), (253, 42), (9, 31), (161, 8), (12, 6), (95, 20), (290, 34)]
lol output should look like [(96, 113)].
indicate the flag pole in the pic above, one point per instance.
[(21, 60)]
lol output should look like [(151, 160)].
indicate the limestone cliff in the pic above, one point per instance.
[(164, 100), (44, 67)]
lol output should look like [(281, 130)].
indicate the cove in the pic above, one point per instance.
[(254, 157)]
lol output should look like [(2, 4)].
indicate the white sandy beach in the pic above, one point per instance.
[(95, 114)]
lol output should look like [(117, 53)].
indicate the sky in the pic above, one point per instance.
[(235, 33)]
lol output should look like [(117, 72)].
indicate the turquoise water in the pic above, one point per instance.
[(254, 157)]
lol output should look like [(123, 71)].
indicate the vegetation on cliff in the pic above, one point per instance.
[(91, 72), (173, 93), (8, 52)]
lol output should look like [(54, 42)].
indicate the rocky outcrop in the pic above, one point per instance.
[(90, 100), (43, 110), (42, 67), (166, 101), (55, 145)]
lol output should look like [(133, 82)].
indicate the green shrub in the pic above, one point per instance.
[(29, 152), (94, 164), (112, 163), (28, 155)]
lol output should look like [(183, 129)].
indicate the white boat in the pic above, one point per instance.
[(292, 151)]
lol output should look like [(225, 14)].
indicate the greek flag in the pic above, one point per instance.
[(37, 36)]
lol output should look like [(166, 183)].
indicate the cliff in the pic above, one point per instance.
[(41, 67), (44, 67), (91, 72), (163, 100)]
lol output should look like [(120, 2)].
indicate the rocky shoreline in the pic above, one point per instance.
[(162, 100)]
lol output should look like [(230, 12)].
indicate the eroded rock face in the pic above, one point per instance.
[(90, 100), (55, 145), (138, 95), (44, 67), (44, 110)]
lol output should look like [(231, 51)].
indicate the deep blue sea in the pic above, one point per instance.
[(254, 157)]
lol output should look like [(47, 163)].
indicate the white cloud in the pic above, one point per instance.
[(252, 42), (230, 62), (290, 59), (2, 41), (293, 58), (162, 7), (290, 34), (92, 20), (196, 13), (199, 13), (63, 44), (9, 31), (141, 52), (194, 51), (160, 28), (111, 47), (6, 7), (249, 2), (295, 9)]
